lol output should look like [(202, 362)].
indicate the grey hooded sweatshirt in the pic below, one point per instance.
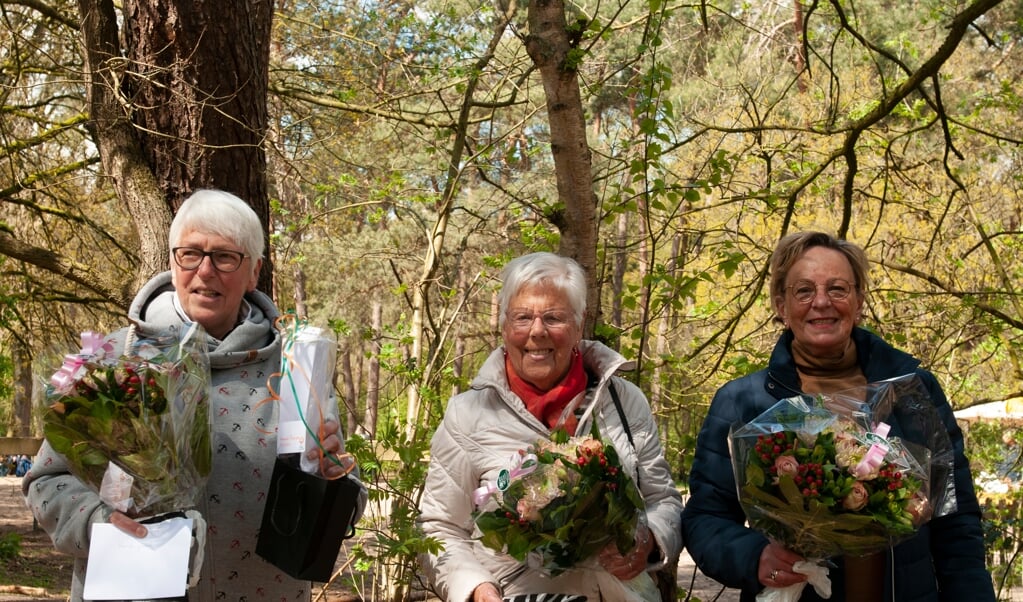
[(244, 445)]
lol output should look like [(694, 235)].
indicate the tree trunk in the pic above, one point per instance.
[(373, 378), (350, 397), (21, 360), (549, 46), (300, 308), (620, 263), (199, 90), (115, 136)]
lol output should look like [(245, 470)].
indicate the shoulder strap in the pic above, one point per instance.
[(625, 421), (621, 413)]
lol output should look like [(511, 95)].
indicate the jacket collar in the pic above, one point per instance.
[(600, 361), (877, 359)]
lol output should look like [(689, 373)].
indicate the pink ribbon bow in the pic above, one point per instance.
[(874, 457), (64, 378), (521, 466)]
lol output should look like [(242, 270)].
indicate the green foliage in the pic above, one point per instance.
[(6, 391), (10, 546), (393, 469), (996, 459)]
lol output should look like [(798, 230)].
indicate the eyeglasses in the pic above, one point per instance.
[(521, 320), (805, 291), (189, 258)]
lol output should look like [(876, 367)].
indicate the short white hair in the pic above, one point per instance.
[(221, 214), (544, 269)]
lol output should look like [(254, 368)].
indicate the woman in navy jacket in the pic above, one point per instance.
[(817, 290)]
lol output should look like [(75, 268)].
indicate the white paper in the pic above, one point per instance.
[(290, 436), (124, 567)]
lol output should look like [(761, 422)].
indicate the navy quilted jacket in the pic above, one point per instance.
[(943, 562)]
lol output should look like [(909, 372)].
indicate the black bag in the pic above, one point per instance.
[(305, 520)]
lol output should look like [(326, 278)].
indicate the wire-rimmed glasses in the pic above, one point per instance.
[(805, 291), (521, 320)]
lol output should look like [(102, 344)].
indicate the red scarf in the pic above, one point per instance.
[(547, 406)]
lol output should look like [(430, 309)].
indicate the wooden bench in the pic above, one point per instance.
[(16, 446)]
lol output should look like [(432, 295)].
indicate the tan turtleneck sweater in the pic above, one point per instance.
[(827, 374)]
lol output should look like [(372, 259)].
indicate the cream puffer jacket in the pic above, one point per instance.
[(483, 427)]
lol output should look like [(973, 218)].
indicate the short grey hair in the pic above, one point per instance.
[(221, 214), (544, 269)]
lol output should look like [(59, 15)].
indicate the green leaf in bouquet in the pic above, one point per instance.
[(790, 491), (496, 529), (518, 545), (757, 494), (201, 447), (149, 464), (87, 455), (755, 475), (60, 436)]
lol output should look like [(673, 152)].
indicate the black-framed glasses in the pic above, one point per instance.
[(190, 258), (805, 291), (521, 320)]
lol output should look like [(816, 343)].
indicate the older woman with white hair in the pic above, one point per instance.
[(217, 246), (544, 377)]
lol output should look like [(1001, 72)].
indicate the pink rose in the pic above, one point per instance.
[(527, 510), (918, 508), (857, 498), (591, 448), (786, 465)]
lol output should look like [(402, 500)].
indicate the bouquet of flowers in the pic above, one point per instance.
[(560, 503), (825, 476), (136, 427)]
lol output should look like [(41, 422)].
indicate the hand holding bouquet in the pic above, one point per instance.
[(560, 503), (135, 428)]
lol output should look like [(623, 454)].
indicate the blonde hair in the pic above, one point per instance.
[(791, 247)]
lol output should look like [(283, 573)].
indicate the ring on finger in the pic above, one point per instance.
[(774, 574)]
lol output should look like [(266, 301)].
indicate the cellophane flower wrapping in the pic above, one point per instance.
[(560, 503), (825, 476), (135, 427)]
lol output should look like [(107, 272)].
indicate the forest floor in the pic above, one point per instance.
[(38, 572)]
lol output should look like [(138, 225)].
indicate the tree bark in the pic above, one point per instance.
[(373, 378), (199, 91), (115, 136), (21, 360), (551, 49), (349, 397)]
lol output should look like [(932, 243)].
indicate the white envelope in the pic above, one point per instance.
[(124, 567)]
